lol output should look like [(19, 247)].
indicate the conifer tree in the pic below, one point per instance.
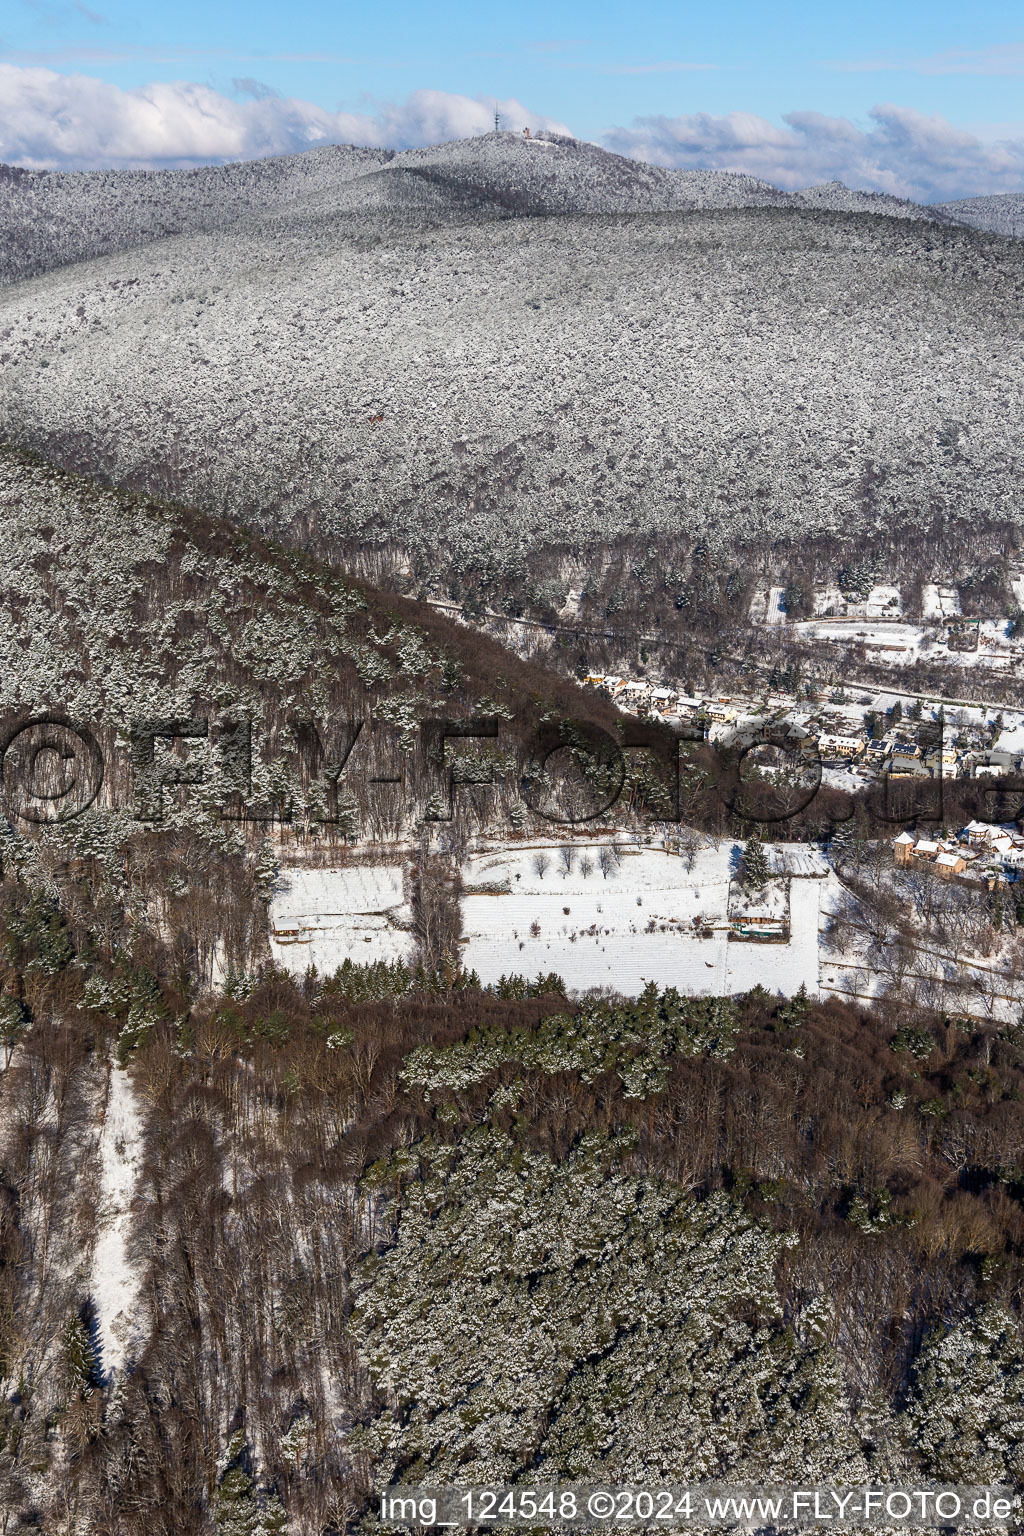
[(755, 863), (235, 1511)]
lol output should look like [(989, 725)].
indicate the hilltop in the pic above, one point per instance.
[(50, 218)]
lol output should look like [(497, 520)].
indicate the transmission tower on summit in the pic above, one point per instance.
[(497, 121)]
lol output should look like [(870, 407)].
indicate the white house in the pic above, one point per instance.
[(839, 746)]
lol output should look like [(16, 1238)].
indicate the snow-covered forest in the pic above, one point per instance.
[(264, 1251), (460, 371)]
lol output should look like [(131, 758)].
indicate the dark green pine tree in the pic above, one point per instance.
[(756, 872), (235, 1510)]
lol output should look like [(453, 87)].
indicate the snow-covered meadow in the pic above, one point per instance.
[(632, 925), (622, 915)]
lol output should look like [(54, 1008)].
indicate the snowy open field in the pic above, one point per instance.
[(616, 928), (322, 917), (623, 929), (940, 602), (897, 642), (604, 939)]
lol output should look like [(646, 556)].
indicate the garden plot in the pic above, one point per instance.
[(322, 917), (884, 602), (767, 607), (898, 640), (632, 925), (771, 903), (940, 602)]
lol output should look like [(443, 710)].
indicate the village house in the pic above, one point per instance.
[(995, 840), (981, 855), (943, 762), (839, 746), (903, 848)]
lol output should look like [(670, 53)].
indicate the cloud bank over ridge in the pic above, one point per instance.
[(75, 121), (903, 153)]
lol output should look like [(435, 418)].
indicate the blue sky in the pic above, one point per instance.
[(601, 71)]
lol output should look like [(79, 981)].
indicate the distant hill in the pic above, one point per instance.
[(480, 367), (552, 174), (50, 218), (1002, 214), (838, 198), (399, 370)]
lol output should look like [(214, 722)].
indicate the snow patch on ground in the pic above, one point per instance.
[(115, 1281), (1010, 738)]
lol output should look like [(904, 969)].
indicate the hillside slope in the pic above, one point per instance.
[(49, 218), (1002, 214), (837, 197), (477, 398), (118, 611), (358, 1238)]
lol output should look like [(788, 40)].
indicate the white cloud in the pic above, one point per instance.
[(904, 152), (75, 121), (256, 90)]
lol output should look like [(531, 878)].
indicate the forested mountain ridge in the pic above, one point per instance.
[(50, 218), (1001, 214), (501, 405)]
